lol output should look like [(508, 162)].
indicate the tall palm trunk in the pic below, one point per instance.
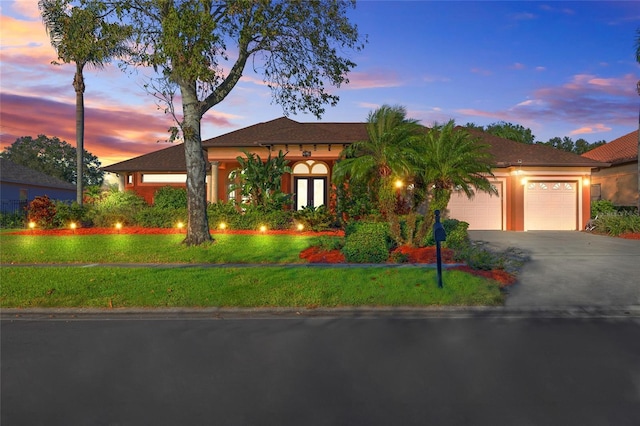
[(78, 85), (197, 224)]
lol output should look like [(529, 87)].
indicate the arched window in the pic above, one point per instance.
[(310, 183)]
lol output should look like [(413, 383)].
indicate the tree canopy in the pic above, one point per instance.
[(514, 132), (53, 157), (519, 133), (201, 48)]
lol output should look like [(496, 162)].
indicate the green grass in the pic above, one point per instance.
[(269, 286), (123, 248)]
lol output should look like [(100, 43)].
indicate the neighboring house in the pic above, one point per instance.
[(19, 185), (618, 183), (540, 187)]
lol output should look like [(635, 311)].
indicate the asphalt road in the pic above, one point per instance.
[(462, 370)]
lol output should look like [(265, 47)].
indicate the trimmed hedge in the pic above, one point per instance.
[(367, 242)]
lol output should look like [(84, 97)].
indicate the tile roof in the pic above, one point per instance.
[(284, 130), (621, 150), (15, 173), (508, 153), (164, 160)]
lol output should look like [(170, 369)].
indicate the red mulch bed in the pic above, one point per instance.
[(316, 255), (425, 254), (504, 278), (631, 236)]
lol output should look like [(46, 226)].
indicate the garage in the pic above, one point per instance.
[(482, 212), (550, 206)]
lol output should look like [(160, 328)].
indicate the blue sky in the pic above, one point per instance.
[(559, 68)]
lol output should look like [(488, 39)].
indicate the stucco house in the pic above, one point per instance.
[(619, 182), (19, 185), (541, 188)]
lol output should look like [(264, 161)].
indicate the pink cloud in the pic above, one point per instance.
[(596, 128), (373, 79), (111, 135)]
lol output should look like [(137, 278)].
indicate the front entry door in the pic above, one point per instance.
[(310, 191)]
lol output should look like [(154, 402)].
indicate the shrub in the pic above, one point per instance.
[(74, 212), (367, 242), (255, 216), (601, 207), (251, 218), (222, 212), (169, 197), (616, 224), (42, 211), (315, 218), (457, 236), (160, 217), (118, 206), (327, 243), (11, 220)]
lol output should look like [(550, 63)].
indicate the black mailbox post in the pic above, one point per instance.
[(439, 235)]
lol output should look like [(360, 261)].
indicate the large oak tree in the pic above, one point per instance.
[(201, 48)]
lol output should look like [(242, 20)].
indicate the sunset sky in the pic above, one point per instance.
[(558, 68)]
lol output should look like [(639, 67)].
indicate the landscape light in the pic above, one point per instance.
[(300, 227), (263, 228), (399, 184), (32, 225), (118, 226), (222, 226), (180, 225), (73, 225)]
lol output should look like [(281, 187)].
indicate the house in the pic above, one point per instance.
[(618, 183), (539, 187), (19, 185)]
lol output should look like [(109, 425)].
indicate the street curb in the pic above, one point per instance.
[(479, 312)]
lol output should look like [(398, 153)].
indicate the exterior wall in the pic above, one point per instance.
[(226, 161), (618, 184), (13, 193), (134, 182)]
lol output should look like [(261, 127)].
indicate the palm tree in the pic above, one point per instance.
[(83, 37), (451, 159), (388, 153)]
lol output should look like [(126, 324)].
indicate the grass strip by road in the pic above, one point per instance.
[(268, 286), (126, 248)]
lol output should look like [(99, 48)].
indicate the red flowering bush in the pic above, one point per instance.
[(42, 211)]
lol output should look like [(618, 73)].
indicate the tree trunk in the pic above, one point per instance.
[(198, 223), (78, 85)]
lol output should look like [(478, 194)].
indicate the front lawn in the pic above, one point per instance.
[(134, 248), (269, 286), (275, 284)]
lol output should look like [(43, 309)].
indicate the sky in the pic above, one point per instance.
[(558, 68)]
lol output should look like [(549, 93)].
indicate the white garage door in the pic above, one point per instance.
[(482, 212), (550, 206)]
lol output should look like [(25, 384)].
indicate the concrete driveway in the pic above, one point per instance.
[(571, 268)]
